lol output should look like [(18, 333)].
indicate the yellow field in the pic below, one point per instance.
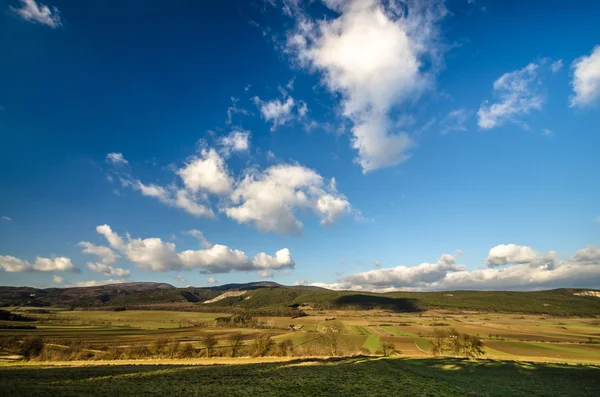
[(506, 336)]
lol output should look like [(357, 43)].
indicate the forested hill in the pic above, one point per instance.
[(275, 299)]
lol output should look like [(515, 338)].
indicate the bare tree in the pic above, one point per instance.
[(330, 335), (159, 345), (209, 342), (262, 345), (235, 340)]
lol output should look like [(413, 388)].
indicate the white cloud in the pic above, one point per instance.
[(301, 282), (265, 274), (157, 255), (456, 120), (556, 66), (181, 279), (204, 243), (546, 131), (173, 197), (376, 263), (39, 13), (191, 199), (211, 280), (6, 218), (276, 111), (58, 280), (116, 158), (11, 264), (266, 199), (106, 255), (526, 269), (96, 283), (108, 270), (504, 254), (402, 276), (270, 199), (207, 173), (233, 109), (113, 238), (282, 259), (235, 141), (586, 79), (518, 95), (377, 55)]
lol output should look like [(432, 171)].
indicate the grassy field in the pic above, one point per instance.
[(362, 376), (526, 355)]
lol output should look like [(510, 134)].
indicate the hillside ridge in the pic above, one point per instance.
[(278, 299)]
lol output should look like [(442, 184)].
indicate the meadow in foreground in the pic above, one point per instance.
[(360, 376)]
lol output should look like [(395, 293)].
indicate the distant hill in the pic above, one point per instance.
[(276, 299)]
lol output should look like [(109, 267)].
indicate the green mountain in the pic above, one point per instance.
[(275, 299)]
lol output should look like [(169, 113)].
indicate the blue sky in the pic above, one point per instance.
[(369, 145)]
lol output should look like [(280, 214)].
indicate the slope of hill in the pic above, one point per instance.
[(279, 299)]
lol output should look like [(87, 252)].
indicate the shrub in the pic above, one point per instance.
[(32, 346), (285, 348), (452, 342), (387, 349), (187, 351)]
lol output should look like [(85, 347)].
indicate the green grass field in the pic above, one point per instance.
[(331, 377), (372, 343)]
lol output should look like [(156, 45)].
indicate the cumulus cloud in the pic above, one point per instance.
[(12, 264), (211, 280), (106, 255), (505, 254), (377, 55), (38, 13), (518, 95), (402, 276), (116, 158), (157, 255), (525, 269), (586, 79), (235, 141), (278, 111), (58, 280), (301, 282), (96, 283), (179, 198), (282, 259), (270, 199), (108, 270), (207, 172)]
